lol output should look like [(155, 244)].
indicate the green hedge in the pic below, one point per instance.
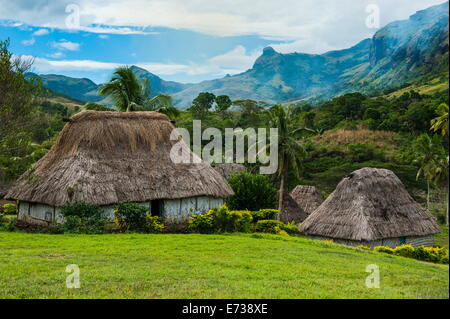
[(430, 254)]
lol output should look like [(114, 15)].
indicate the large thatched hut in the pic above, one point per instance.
[(307, 197), (105, 158), (371, 207)]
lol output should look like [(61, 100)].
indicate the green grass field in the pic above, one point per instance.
[(205, 266)]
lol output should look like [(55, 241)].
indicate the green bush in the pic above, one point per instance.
[(82, 225), (153, 225), (82, 218), (203, 223), (264, 214), (131, 216), (275, 226), (430, 254), (2, 218), (81, 209), (363, 247), (252, 192), (9, 209), (232, 221)]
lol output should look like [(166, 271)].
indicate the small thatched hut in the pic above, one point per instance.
[(105, 158), (307, 197), (291, 211), (371, 207)]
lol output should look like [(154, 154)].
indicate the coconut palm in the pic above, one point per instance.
[(440, 123), (429, 154), (290, 150), (130, 94)]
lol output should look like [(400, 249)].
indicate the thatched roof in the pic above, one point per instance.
[(111, 157), (228, 170), (370, 204), (307, 197), (291, 211)]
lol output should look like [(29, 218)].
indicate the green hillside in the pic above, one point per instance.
[(206, 266)]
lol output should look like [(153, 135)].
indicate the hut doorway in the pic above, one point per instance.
[(157, 207)]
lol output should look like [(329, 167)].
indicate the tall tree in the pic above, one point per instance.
[(223, 103), (19, 98), (129, 94), (290, 151), (429, 153), (202, 104), (440, 123)]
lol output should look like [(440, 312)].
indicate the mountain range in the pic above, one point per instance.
[(399, 52)]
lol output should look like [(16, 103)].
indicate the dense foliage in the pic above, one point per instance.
[(251, 192), (430, 254)]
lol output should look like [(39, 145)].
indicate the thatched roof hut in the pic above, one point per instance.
[(291, 211), (228, 170), (371, 207), (106, 158), (307, 197)]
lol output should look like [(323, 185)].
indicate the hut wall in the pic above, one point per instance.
[(174, 210), (420, 241), (178, 210)]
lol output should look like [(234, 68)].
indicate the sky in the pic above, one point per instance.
[(185, 41)]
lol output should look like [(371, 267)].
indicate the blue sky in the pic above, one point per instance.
[(185, 41)]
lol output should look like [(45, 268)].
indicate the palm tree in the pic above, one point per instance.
[(129, 94), (290, 150), (440, 177), (429, 153), (440, 123)]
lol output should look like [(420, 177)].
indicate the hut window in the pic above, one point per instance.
[(402, 240), (157, 207)]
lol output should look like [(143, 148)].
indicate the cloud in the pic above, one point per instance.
[(66, 45), (232, 62), (305, 25), (28, 42), (103, 36), (56, 55), (41, 32), (45, 65)]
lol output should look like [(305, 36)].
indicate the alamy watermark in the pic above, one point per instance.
[(373, 280), (237, 146), (73, 279)]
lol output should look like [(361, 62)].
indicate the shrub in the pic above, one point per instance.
[(232, 221), (82, 218), (9, 209), (274, 226), (2, 217), (430, 254), (363, 247), (264, 214), (252, 192), (153, 224), (203, 223), (131, 216), (81, 209)]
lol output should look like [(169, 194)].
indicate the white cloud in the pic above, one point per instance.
[(308, 25), (232, 62), (103, 36), (56, 55), (66, 45), (44, 65), (41, 32), (28, 42)]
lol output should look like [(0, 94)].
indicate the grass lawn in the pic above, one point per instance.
[(205, 266)]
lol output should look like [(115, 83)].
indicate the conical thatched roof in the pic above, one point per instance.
[(111, 157), (291, 211), (370, 204), (307, 197)]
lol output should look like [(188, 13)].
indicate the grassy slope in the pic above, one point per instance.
[(205, 266)]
